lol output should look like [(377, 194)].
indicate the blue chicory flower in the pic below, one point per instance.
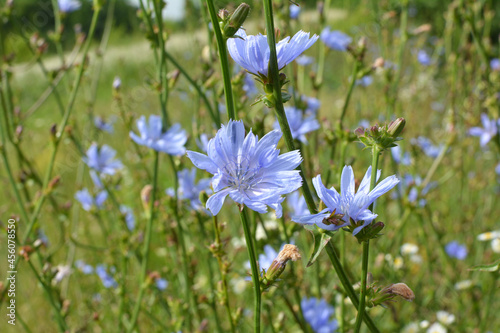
[(495, 64), (336, 40), (104, 126), (456, 250), (312, 104), (352, 205), (297, 204), (487, 132), (427, 146), (294, 12), (117, 83), (102, 159), (365, 81), (423, 58), (252, 52), (411, 185), (189, 190), (171, 142), (88, 201), (68, 6), (161, 284), (202, 142), (249, 170), (318, 314), (128, 213), (399, 157), (304, 60), (83, 267), (299, 123), (249, 86), (107, 280)]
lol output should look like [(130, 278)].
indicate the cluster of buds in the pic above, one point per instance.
[(382, 137), (269, 277), (268, 99), (231, 23), (383, 295)]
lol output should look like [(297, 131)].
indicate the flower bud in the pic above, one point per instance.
[(396, 127), (379, 63), (236, 20), (289, 252), (400, 289), (146, 196)]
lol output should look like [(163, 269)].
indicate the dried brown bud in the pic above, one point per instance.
[(423, 28), (400, 289), (146, 196), (379, 63)]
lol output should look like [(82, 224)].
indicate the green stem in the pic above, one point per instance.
[(224, 62), (147, 242), (255, 271), (278, 102), (366, 245), (347, 286), (357, 66)]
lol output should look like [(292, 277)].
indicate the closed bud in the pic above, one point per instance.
[(146, 196), (172, 78), (379, 63), (289, 252), (223, 14), (359, 131), (236, 20), (400, 289), (396, 127)]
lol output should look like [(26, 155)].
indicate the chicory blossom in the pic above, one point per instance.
[(336, 40), (352, 206), (495, 64), (365, 81), (456, 250), (423, 58), (487, 132), (128, 214), (299, 124), (84, 267), (304, 60), (252, 52), (102, 159), (88, 201), (104, 126), (68, 6), (171, 142), (249, 170), (427, 147), (294, 12), (318, 314), (107, 280), (399, 157), (297, 204), (189, 190), (161, 283)]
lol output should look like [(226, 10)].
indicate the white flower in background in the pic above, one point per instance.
[(437, 328), (408, 249), (495, 245), (445, 318), (424, 324), (398, 262), (462, 285), (490, 235), (62, 272), (270, 224), (239, 285), (411, 328), (416, 258)]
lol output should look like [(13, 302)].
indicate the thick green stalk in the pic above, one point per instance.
[(278, 102), (224, 62), (348, 286), (147, 242), (255, 270), (366, 245), (357, 66)]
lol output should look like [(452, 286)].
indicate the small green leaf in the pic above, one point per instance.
[(319, 244), (494, 267)]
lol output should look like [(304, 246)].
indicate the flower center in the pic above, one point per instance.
[(240, 175)]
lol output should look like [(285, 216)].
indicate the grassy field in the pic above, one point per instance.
[(452, 197)]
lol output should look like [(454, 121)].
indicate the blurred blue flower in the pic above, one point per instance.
[(202, 142), (364, 123), (294, 12), (161, 284), (304, 60), (427, 147), (487, 132), (83, 267), (352, 205), (189, 190), (107, 280), (423, 58), (312, 104), (88, 201), (249, 86), (68, 6), (299, 124), (117, 83), (297, 204), (252, 52), (318, 314), (399, 157), (336, 40), (104, 126), (171, 142), (365, 81), (456, 250), (128, 213), (495, 64), (249, 170), (411, 186), (266, 258), (102, 159)]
